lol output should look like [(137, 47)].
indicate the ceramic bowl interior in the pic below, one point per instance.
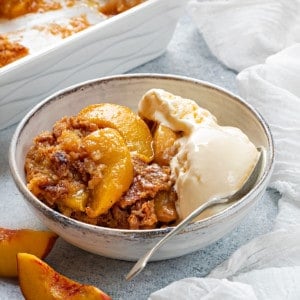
[(127, 90)]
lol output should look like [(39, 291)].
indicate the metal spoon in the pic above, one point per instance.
[(247, 186)]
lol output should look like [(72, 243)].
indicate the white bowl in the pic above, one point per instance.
[(113, 46), (127, 90)]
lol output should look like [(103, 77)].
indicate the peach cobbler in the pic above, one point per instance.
[(105, 166), (112, 167)]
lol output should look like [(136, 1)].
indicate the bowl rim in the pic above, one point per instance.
[(56, 216)]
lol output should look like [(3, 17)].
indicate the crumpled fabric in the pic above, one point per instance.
[(261, 41), (244, 33), (208, 288)]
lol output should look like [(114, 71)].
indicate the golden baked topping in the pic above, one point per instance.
[(10, 9), (97, 167), (10, 51)]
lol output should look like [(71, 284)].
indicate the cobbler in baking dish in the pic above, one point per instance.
[(21, 33)]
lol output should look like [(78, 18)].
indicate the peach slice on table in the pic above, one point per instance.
[(163, 144), (106, 146), (39, 281), (12, 241), (133, 129)]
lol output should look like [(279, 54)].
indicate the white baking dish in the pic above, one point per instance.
[(112, 46)]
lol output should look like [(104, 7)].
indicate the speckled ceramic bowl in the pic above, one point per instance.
[(127, 90)]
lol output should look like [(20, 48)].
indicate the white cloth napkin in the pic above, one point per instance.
[(244, 33), (259, 39)]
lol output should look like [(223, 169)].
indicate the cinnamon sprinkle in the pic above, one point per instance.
[(75, 25)]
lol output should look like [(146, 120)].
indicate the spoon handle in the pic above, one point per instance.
[(250, 182), (141, 263)]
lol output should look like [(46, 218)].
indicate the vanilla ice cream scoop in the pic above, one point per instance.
[(212, 160), (173, 111)]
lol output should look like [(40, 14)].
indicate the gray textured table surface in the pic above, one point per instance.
[(187, 55)]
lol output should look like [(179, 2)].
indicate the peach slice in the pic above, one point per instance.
[(36, 242), (133, 129), (165, 208), (39, 281), (163, 144), (107, 146)]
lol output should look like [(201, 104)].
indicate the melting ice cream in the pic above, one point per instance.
[(212, 160)]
